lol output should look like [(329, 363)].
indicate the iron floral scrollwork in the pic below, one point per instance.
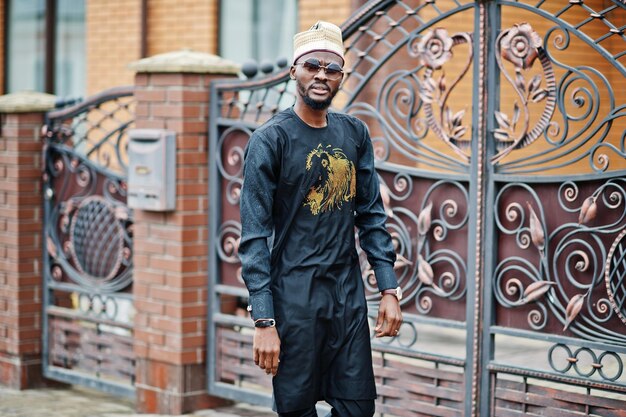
[(522, 46), (434, 50), (425, 271), (565, 275)]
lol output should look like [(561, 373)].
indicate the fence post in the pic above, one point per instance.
[(170, 249), (21, 219)]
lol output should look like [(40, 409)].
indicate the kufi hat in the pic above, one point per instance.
[(322, 36)]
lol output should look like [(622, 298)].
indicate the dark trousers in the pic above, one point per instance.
[(341, 408)]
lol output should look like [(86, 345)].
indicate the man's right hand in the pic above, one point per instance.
[(266, 348)]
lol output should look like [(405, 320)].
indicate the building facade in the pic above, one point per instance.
[(76, 48)]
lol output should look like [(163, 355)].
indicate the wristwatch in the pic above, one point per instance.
[(393, 291), (265, 323)]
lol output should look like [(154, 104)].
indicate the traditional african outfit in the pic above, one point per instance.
[(304, 191)]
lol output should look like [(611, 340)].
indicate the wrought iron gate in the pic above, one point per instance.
[(88, 310), (500, 135)]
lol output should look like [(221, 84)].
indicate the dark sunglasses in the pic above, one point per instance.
[(312, 66)]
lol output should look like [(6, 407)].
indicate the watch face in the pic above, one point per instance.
[(399, 293)]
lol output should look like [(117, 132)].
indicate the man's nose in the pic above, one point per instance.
[(321, 74)]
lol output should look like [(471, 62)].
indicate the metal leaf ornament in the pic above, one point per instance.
[(385, 195), (588, 211), (424, 220), (535, 290), (401, 262), (424, 271), (573, 308), (536, 230)]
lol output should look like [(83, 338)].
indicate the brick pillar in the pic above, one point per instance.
[(21, 223), (171, 248)]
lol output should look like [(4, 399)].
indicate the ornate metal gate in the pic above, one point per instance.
[(500, 134), (88, 330)]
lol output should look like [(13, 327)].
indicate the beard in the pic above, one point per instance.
[(314, 104)]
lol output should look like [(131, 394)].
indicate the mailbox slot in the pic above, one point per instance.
[(152, 169)]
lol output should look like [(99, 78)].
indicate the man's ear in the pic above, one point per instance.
[(292, 72)]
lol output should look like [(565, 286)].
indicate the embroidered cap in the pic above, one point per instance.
[(322, 36)]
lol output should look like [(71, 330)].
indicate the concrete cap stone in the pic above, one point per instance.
[(186, 61), (27, 102)]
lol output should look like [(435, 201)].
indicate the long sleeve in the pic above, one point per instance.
[(370, 219), (257, 196)]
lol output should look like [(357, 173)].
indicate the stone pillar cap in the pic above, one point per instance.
[(184, 61), (27, 102)]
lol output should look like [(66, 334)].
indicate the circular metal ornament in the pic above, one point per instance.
[(97, 239), (615, 275)]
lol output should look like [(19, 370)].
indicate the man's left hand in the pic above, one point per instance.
[(389, 316)]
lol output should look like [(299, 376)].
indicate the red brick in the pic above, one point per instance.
[(190, 219), (166, 324), (140, 349), (185, 342), (25, 145), (187, 126), (188, 142), (186, 311), (140, 260), (166, 263), (141, 289), (143, 95), (165, 232), (191, 158), (191, 189), (149, 306), (150, 337), (142, 123), (141, 319), (141, 79), (23, 240), (150, 277), (149, 247), (188, 95), (22, 253), (150, 216), (176, 249), (23, 173), (188, 204), (35, 118), (187, 281), (24, 226), (24, 199), (166, 111), (142, 110)]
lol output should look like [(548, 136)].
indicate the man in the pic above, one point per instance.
[(309, 179)]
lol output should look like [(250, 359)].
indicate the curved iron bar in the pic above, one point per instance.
[(57, 131), (567, 28)]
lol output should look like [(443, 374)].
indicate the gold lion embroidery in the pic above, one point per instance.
[(336, 183)]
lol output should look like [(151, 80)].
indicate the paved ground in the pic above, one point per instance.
[(81, 402)]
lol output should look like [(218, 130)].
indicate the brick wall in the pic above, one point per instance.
[(113, 41), (20, 249), (334, 11), (170, 258), (182, 24)]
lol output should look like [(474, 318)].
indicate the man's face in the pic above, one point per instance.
[(317, 78)]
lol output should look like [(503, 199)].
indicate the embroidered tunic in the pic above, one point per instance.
[(304, 191)]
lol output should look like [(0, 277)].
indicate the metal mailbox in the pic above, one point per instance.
[(152, 169)]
